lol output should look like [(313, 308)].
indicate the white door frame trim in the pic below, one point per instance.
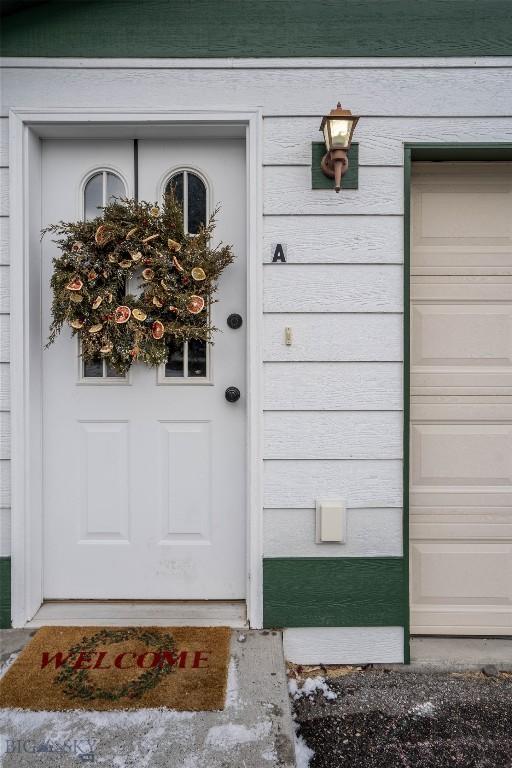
[(25, 127)]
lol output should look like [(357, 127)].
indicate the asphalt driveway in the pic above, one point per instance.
[(392, 719)]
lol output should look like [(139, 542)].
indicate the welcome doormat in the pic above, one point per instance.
[(108, 668)]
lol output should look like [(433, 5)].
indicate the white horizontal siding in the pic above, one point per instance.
[(5, 483), (5, 532), (332, 288), (332, 386), (5, 426), (5, 387), (301, 92), (4, 289), (4, 338), (4, 141), (5, 435), (335, 239), (330, 337), (298, 484), (287, 191), (4, 240), (334, 397), (344, 645), (333, 435), (381, 140), (4, 191), (370, 533)]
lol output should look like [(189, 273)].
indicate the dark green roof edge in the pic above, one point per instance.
[(255, 28)]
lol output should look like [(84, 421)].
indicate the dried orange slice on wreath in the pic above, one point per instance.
[(75, 285), (139, 314), (103, 234), (173, 245), (198, 274), (157, 329), (195, 304), (122, 314)]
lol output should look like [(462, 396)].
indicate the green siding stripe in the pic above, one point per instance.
[(318, 179), (5, 592), (333, 592), (256, 28)]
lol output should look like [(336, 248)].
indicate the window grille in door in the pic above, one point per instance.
[(189, 360), (101, 188)]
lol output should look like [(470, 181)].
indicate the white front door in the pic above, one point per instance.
[(461, 399), (144, 476)]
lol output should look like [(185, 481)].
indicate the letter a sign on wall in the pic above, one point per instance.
[(278, 253)]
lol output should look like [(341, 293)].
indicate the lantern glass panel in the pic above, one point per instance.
[(327, 138), (340, 133)]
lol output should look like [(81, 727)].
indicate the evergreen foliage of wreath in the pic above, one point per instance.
[(130, 280), (77, 683)]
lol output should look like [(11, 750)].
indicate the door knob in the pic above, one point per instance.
[(234, 321), (232, 394)]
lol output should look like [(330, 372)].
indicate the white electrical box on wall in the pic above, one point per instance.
[(331, 522)]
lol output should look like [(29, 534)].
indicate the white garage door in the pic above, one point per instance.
[(461, 399)]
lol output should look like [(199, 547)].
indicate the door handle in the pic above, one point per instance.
[(232, 394)]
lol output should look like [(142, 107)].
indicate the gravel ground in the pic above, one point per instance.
[(392, 719)]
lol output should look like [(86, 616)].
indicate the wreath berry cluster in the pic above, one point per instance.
[(128, 281)]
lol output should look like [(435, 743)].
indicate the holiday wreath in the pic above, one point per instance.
[(128, 281)]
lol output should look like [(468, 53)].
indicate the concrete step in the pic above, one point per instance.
[(254, 729)]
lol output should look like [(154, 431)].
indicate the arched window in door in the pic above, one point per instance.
[(101, 188), (191, 192)]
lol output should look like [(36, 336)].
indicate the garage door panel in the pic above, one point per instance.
[(462, 584), (479, 523), (461, 346), (461, 288), (461, 454), (443, 573), (448, 408), (457, 218), (448, 620)]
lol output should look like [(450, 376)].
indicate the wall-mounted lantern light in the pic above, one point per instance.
[(337, 127)]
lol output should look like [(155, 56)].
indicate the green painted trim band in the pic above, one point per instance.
[(333, 592), (461, 152), (320, 181), (5, 592), (256, 28)]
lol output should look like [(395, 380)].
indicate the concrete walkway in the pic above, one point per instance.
[(253, 731)]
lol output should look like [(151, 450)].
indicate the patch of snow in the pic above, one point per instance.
[(303, 753), (27, 720), (232, 692), (191, 761), (232, 734), (7, 663), (311, 686), (270, 755), (426, 709)]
